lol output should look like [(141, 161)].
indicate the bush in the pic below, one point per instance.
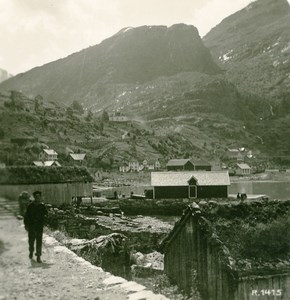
[(33, 174), (163, 286), (267, 241)]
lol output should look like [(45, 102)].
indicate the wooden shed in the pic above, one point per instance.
[(195, 257), (191, 184), (242, 169), (201, 166)]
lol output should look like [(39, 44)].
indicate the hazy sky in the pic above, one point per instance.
[(34, 32)]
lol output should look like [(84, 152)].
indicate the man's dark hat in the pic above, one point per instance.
[(36, 193)]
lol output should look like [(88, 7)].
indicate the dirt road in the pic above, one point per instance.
[(62, 275)]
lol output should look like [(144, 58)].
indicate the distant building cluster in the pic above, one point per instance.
[(136, 166), (187, 165), (241, 157), (118, 117), (239, 154), (49, 158)]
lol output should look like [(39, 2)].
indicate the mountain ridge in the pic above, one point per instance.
[(253, 46), (236, 95), (135, 56)]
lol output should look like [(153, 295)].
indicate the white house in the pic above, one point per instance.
[(134, 166), (243, 169), (48, 155), (118, 119), (124, 168)]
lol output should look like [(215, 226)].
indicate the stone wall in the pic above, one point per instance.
[(173, 207), (80, 226)]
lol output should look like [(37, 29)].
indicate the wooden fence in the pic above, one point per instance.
[(53, 193)]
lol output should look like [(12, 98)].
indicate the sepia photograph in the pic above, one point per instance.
[(145, 149)]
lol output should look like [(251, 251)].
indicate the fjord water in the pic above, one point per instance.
[(273, 189)]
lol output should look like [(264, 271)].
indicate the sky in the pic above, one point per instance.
[(35, 32)]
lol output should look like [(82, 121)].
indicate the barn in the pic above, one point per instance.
[(190, 184), (180, 165)]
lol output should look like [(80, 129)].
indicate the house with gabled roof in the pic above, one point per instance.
[(242, 169), (236, 154), (179, 165), (79, 157), (48, 155), (201, 165), (190, 184)]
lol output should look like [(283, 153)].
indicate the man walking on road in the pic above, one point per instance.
[(34, 221)]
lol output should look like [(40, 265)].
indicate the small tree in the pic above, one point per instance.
[(69, 112), (89, 116), (105, 116), (76, 106), (36, 105)]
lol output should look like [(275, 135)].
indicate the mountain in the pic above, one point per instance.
[(4, 75), (187, 100), (253, 46), (132, 56)]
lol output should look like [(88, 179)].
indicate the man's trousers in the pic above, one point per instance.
[(35, 234)]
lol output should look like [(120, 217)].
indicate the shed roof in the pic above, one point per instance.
[(181, 178), (47, 163), (78, 156), (177, 162)]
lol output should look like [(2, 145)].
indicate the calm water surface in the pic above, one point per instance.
[(273, 189)]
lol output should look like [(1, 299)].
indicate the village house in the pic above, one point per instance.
[(118, 117), (47, 155), (124, 168), (99, 175), (157, 165), (151, 165), (202, 166), (187, 165), (242, 169), (180, 165), (77, 157), (135, 166), (190, 184), (235, 154)]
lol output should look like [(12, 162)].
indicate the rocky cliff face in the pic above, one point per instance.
[(132, 56), (253, 45)]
